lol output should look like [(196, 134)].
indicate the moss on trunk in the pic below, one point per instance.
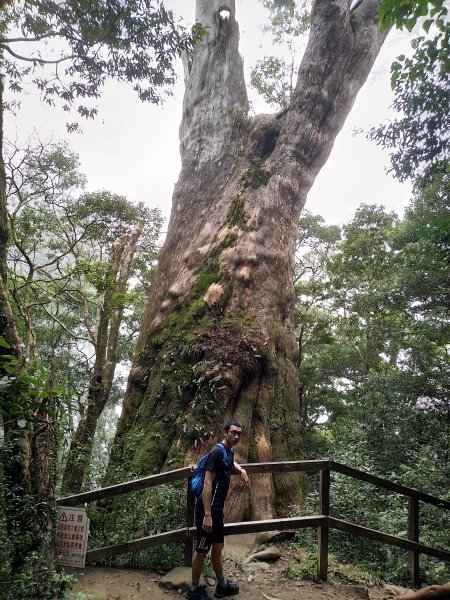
[(218, 336)]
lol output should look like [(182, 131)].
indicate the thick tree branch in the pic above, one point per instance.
[(37, 61), (37, 38), (339, 55)]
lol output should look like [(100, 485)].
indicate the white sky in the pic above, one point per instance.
[(132, 148)]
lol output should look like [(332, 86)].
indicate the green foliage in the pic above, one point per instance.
[(287, 22), (424, 239), (60, 260), (74, 48), (419, 137), (408, 12), (22, 396), (306, 568), (35, 581), (138, 515), (255, 177), (373, 331), (273, 77), (236, 214)]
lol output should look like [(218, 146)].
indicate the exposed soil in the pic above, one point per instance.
[(270, 584)]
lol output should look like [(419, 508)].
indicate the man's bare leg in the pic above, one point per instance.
[(216, 560), (197, 566)]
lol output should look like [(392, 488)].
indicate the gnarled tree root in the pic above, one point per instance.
[(429, 593)]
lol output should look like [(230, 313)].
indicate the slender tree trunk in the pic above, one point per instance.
[(107, 340), (24, 453), (218, 336), (15, 449), (43, 469)]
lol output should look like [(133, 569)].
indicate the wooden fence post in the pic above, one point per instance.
[(323, 532), (189, 542), (413, 535)]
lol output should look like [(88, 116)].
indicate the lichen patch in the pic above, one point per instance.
[(213, 294)]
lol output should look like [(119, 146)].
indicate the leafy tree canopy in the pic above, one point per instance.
[(82, 44), (407, 12), (419, 137), (274, 77)]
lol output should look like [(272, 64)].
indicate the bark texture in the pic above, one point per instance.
[(106, 343), (218, 337)]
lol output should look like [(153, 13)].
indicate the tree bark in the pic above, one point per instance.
[(107, 339), (218, 336)]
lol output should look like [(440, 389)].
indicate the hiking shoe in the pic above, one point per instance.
[(198, 594), (227, 588)]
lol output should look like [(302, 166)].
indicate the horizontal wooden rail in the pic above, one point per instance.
[(269, 467), (323, 522), (178, 535), (386, 538), (179, 474), (126, 487), (275, 525), (287, 466), (388, 485)]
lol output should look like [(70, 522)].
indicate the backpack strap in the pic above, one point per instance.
[(225, 455)]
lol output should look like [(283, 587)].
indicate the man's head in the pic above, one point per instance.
[(233, 431)]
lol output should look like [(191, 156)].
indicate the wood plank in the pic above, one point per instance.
[(189, 544), (323, 532), (167, 537), (180, 535), (413, 535), (387, 538), (287, 466), (179, 474), (124, 488), (274, 525), (270, 467), (388, 485)]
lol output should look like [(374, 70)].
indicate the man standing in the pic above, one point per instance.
[(209, 514)]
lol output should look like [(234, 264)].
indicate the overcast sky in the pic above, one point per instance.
[(132, 148)]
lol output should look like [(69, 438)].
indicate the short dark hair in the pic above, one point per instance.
[(231, 422)]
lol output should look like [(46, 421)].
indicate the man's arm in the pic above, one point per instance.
[(206, 498), (237, 469)]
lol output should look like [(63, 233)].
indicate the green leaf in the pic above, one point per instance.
[(4, 343), (427, 24), (32, 380)]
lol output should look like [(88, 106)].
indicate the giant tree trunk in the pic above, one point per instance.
[(106, 343), (218, 336)]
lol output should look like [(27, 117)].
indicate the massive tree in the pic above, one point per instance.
[(218, 336)]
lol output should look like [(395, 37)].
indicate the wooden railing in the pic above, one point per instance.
[(324, 522)]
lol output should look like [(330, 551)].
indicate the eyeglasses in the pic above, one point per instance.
[(237, 434)]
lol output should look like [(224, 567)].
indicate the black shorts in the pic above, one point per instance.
[(204, 539)]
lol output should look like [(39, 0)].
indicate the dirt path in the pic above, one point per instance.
[(269, 584)]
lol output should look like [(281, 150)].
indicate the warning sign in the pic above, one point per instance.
[(72, 535)]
